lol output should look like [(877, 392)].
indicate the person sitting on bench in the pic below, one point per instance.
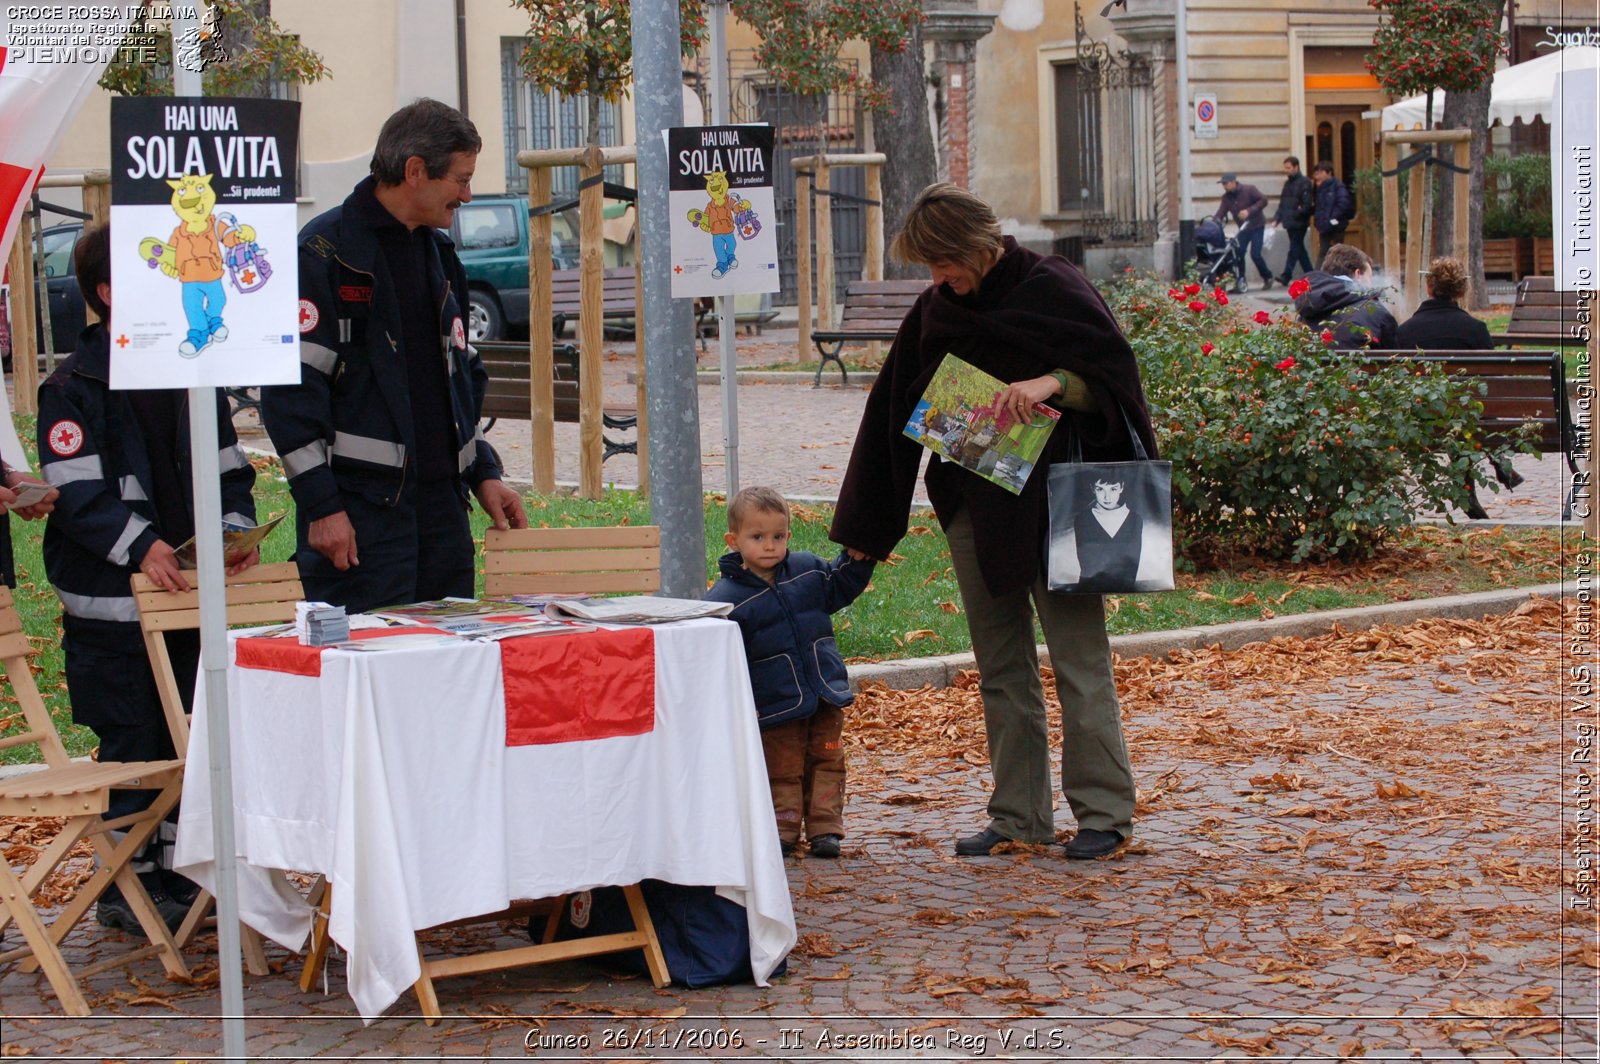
[(1441, 325)]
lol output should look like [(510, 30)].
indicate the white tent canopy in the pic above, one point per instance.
[(1523, 91)]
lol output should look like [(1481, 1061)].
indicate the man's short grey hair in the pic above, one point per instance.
[(429, 129)]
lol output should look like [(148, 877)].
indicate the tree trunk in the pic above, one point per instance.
[(592, 103), (1466, 110), (904, 135)]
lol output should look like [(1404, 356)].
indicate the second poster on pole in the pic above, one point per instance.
[(724, 234)]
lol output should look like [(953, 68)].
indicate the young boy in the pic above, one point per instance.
[(782, 601), (121, 462)]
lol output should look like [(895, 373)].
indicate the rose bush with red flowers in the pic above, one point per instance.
[(1263, 318), (1284, 449)]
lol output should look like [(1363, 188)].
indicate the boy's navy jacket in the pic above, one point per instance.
[(788, 635)]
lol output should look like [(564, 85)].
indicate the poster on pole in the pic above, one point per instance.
[(203, 235), (724, 235)]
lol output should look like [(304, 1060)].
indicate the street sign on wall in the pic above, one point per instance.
[(1205, 115)]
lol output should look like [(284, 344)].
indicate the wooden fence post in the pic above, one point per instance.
[(541, 340)]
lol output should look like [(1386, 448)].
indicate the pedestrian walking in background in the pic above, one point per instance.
[(1248, 207), (1297, 206), (1334, 209)]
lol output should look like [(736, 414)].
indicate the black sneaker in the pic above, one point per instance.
[(113, 909), (181, 888), (825, 846)]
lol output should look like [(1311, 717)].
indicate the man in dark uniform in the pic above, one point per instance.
[(380, 438)]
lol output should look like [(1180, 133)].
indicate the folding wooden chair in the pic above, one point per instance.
[(262, 594), (73, 795), (531, 561)]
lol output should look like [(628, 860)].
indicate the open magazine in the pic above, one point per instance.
[(480, 618), (237, 541), (956, 419), (636, 609)]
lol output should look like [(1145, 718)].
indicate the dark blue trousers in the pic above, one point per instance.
[(416, 550)]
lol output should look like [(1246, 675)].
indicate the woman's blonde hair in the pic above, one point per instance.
[(1447, 278), (950, 224)]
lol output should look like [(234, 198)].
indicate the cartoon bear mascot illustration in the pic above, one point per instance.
[(195, 255), (725, 215)]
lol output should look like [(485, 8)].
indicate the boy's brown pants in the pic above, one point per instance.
[(805, 766)]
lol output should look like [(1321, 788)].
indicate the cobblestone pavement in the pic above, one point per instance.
[(1349, 846)]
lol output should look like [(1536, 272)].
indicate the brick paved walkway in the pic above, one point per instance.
[(1345, 846)]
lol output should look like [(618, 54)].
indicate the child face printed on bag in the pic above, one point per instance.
[(1107, 494), (762, 541)]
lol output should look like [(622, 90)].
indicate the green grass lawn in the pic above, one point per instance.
[(912, 607)]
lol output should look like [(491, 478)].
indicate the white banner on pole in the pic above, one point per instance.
[(724, 221), (1575, 143), (45, 74), (202, 190)]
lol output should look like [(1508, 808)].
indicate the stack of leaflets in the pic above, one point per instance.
[(958, 419), (636, 609), (318, 624), (479, 619)]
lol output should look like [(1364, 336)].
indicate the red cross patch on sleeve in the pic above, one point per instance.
[(308, 316), (66, 438)]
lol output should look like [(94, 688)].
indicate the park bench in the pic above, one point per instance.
[(1517, 387), (509, 366), (618, 300), (1542, 316), (873, 310)]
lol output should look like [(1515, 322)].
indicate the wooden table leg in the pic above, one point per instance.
[(552, 922), (427, 999), (643, 924), (317, 954)]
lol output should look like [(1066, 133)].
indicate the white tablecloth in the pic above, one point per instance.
[(390, 774)]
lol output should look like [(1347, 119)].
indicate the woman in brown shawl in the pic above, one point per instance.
[(1036, 323)]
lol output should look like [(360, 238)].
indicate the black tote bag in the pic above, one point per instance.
[(1110, 523)]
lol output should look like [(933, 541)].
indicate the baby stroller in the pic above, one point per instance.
[(1220, 255)]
